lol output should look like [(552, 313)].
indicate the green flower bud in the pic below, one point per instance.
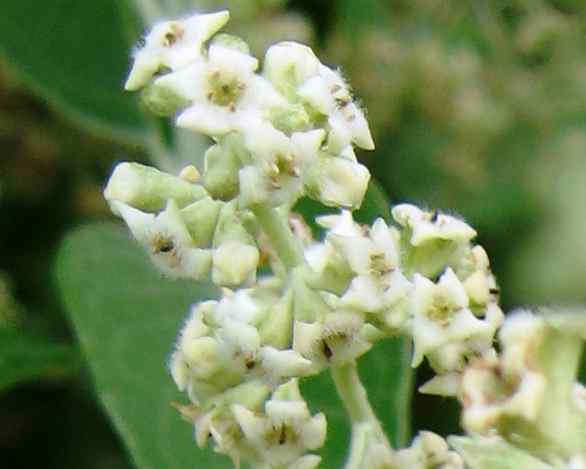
[(278, 330), (234, 263), (200, 218), (232, 42), (336, 182), (221, 172), (146, 188), (162, 101)]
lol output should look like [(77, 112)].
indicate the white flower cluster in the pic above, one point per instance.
[(279, 134), (529, 394), (238, 347), (288, 131), (423, 278)]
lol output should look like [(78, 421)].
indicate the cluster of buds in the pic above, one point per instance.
[(280, 134)]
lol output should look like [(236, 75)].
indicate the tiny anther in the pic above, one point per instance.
[(327, 350), (190, 174), (434, 216), (494, 291), (282, 436)]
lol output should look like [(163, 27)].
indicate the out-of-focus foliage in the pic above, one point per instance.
[(477, 107), (480, 107), (75, 55)]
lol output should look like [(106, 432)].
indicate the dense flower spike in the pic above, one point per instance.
[(281, 131)]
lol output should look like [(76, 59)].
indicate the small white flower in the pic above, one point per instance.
[(443, 327), (173, 45), (224, 92), (328, 93), (342, 337), (279, 364), (429, 226), (167, 240), (488, 394), (285, 433), (280, 163)]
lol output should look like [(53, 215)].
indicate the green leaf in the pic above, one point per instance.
[(385, 370), (75, 54), (127, 317), (24, 357)]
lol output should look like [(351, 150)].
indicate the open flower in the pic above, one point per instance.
[(223, 91), (172, 45), (167, 240), (429, 226), (443, 327), (341, 337), (507, 387), (278, 165), (286, 432)]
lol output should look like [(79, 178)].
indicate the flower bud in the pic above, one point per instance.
[(336, 182), (234, 263), (200, 219), (146, 188), (221, 172)]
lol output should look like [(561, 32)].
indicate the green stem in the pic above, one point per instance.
[(364, 421), (559, 357), (276, 227)]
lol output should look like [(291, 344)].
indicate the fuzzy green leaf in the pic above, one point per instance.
[(127, 317), (75, 55)]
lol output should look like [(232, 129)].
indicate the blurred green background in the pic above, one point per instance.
[(477, 108)]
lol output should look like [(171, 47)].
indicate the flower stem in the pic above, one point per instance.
[(276, 227), (355, 400)]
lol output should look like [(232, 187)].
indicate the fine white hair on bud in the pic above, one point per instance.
[(172, 45), (429, 226)]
